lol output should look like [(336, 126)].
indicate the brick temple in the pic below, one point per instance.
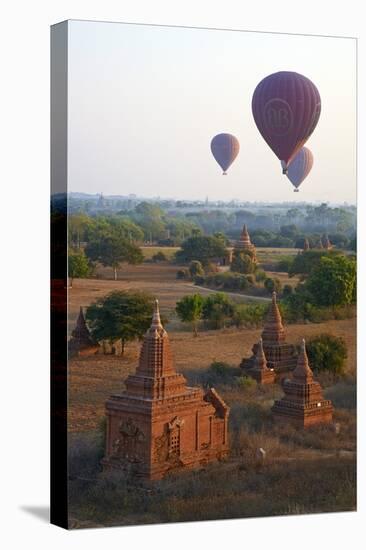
[(306, 245), (260, 371), (81, 341), (303, 403), (280, 356), (158, 423), (244, 243)]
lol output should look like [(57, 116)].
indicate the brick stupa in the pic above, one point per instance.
[(81, 341), (306, 245), (260, 371), (158, 423), (326, 243), (303, 403), (244, 243), (280, 356)]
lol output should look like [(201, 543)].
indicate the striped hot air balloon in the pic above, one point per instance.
[(225, 149), (286, 108), (299, 167)]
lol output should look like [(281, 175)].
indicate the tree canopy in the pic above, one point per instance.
[(201, 248), (111, 250), (124, 315), (189, 310), (333, 281)]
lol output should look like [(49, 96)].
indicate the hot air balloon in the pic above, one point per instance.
[(299, 167), (225, 149), (286, 108)]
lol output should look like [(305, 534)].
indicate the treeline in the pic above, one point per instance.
[(151, 223)]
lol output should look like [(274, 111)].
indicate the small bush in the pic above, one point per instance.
[(196, 269), (327, 352), (245, 382), (287, 290), (182, 274), (159, 257), (272, 285), (260, 275)]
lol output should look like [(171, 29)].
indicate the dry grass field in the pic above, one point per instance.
[(305, 472), (93, 379)]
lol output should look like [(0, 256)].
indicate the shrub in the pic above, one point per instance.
[(159, 257), (327, 353), (287, 290), (284, 264), (182, 274), (196, 269), (243, 262), (249, 315), (246, 382), (260, 275), (272, 285)]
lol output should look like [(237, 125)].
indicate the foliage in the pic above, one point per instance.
[(124, 315), (202, 248), (111, 250), (285, 264), (272, 285), (217, 308), (196, 269), (242, 262), (306, 261), (260, 275), (189, 310), (249, 315), (159, 257), (327, 353), (333, 281), (78, 265), (182, 274), (227, 281), (287, 290)]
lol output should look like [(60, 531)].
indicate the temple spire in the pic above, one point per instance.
[(260, 362), (273, 329), (303, 371), (306, 244), (156, 321)]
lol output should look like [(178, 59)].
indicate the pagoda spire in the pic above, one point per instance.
[(306, 244), (81, 331), (303, 372), (260, 362), (156, 321), (273, 329)]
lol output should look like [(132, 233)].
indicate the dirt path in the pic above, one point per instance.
[(233, 294)]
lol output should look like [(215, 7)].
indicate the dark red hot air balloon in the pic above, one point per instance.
[(286, 108), (299, 167), (225, 149)]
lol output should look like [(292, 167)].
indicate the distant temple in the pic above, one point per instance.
[(260, 371), (81, 342), (280, 356), (158, 423), (326, 243), (306, 245), (244, 243), (303, 403)]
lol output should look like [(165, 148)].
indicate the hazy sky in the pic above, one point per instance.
[(145, 102)]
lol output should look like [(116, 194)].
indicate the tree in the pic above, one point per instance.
[(305, 262), (242, 262), (121, 315), (111, 250), (217, 308), (202, 248), (333, 281), (327, 353), (189, 310), (78, 266)]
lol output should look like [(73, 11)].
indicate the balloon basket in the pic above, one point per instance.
[(296, 190), (284, 170), (224, 173)]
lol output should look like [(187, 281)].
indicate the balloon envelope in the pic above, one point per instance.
[(286, 108), (300, 166), (225, 149)]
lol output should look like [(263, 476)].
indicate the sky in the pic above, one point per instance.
[(145, 101)]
